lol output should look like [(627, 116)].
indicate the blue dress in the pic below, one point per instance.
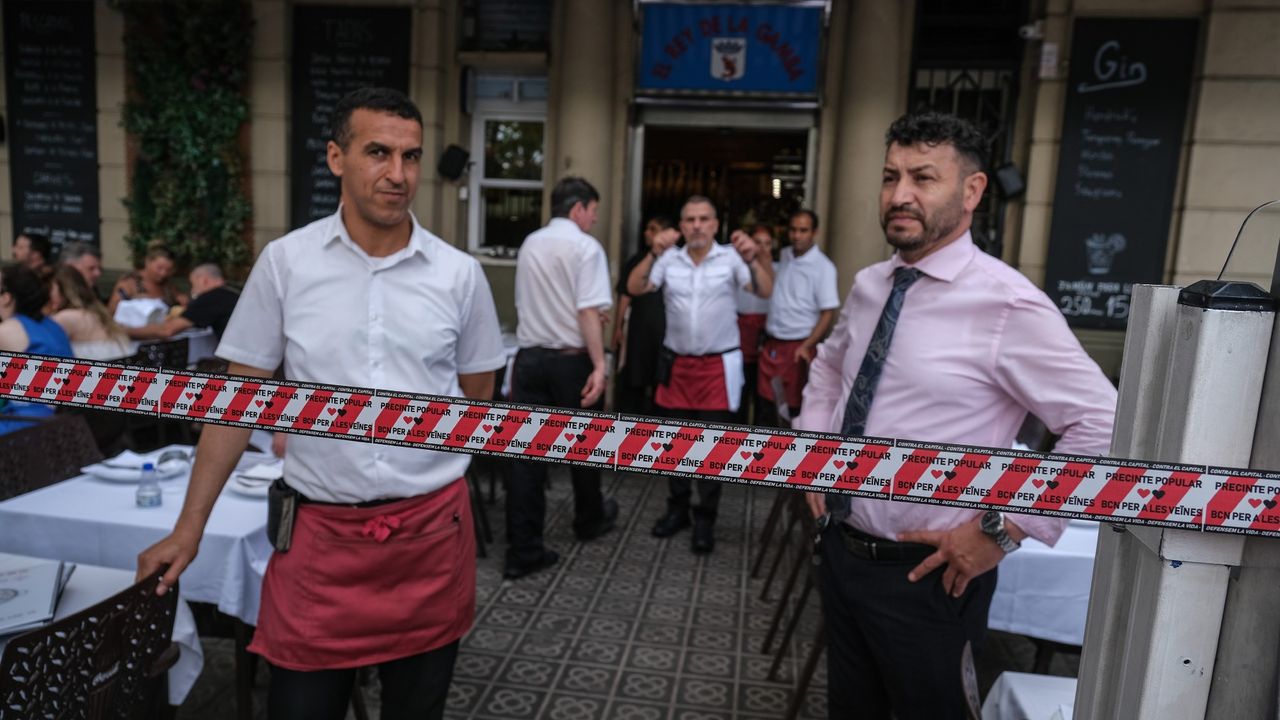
[(46, 337)]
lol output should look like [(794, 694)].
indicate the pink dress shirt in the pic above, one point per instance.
[(977, 347)]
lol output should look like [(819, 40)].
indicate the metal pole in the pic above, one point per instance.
[(1159, 595)]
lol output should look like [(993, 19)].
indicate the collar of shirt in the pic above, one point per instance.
[(418, 244), (943, 264), (564, 225)]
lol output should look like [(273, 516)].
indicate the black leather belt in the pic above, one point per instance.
[(362, 504), (870, 547)]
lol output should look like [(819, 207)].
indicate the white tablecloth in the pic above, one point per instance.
[(90, 585), (94, 522), (201, 343), (1043, 591), (1021, 696)]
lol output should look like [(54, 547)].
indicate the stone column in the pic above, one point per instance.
[(580, 116), (875, 60)]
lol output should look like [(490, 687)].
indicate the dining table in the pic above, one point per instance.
[(91, 521), (91, 584), (1043, 592)]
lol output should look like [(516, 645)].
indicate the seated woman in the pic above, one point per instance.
[(94, 334), (154, 280), (24, 328)]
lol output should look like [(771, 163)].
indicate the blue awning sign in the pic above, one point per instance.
[(738, 49)]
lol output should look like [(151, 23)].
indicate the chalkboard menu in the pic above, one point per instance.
[(1126, 104), (336, 50), (53, 129)]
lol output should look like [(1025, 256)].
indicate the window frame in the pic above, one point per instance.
[(486, 111)]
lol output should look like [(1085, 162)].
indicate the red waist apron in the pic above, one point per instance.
[(750, 329), (777, 360), (362, 586), (697, 383)]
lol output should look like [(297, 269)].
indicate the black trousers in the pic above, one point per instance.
[(413, 688), (894, 647), (548, 377), (680, 489)]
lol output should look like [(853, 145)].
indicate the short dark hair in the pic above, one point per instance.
[(570, 191), (40, 243), (813, 216), (935, 128), (30, 294), (73, 251), (664, 221), (377, 99), (699, 200)]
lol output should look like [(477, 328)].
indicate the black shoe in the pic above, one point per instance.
[(605, 524), (704, 539), (671, 523), (515, 571)]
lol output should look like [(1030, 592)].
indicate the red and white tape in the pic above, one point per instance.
[(1123, 491)]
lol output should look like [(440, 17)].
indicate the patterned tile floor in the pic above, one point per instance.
[(626, 627)]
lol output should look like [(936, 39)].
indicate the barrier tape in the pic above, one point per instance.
[(1088, 488)]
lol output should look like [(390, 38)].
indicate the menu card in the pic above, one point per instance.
[(29, 591)]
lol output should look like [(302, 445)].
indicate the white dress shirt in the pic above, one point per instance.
[(411, 321), (802, 288), (700, 299), (560, 270)]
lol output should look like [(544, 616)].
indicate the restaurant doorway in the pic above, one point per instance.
[(754, 172)]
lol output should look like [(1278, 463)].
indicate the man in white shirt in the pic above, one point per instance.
[(700, 377), (562, 291), (753, 311), (381, 570), (801, 311)]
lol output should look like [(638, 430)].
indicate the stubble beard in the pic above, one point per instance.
[(932, 228)]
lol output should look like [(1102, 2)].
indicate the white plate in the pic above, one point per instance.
[(247, 489), (165, 471)]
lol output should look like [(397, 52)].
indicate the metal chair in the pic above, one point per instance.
[(51, 450), (108, 661), (171, 354)]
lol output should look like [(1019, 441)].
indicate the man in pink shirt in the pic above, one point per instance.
[(939, 343)]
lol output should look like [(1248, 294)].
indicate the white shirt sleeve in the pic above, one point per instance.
[(255, 332), (480, 340), (741, 271), (592, 280), (824, 290), (658, 273)]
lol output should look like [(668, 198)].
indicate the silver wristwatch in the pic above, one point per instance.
[(993, 527)]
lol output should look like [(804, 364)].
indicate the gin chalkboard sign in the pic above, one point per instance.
[(49, 70), (1126, 105), (336, 50)]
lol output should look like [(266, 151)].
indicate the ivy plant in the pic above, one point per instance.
[(187, 64)]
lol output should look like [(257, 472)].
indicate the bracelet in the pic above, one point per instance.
[(654, 255)]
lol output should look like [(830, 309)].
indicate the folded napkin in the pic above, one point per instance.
[(141, 311), (262, 472), (127, 466)]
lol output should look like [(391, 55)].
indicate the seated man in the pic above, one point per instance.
[(211, 306)]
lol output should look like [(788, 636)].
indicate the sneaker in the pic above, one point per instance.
[(671, 523), (515, 571), (606, 523)]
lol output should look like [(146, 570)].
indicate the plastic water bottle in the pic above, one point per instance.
[(149, 488)]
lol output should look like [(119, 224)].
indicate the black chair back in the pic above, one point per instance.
[(170, 354), (49, 451), (105, 662)]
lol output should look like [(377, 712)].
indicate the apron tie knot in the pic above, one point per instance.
[(379, 527)]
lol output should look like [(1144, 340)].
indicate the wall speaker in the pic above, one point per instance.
[(1009, 181), (453, 162)]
